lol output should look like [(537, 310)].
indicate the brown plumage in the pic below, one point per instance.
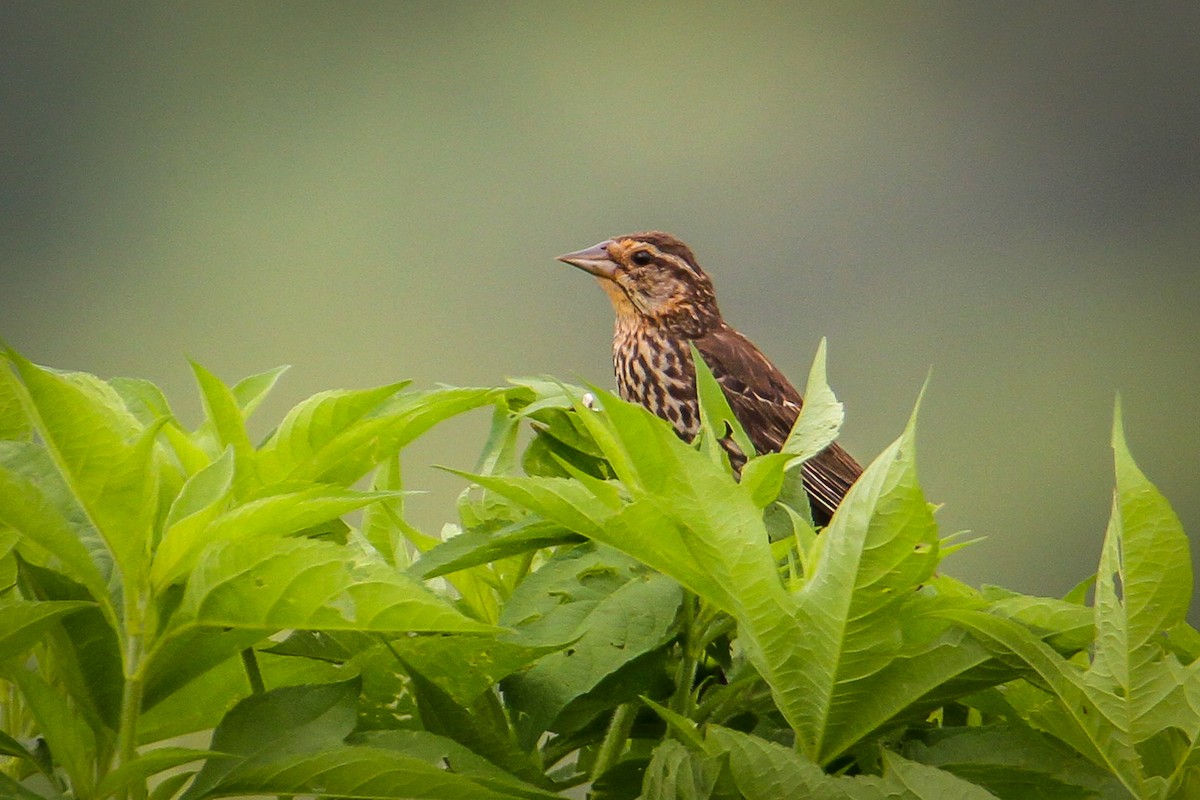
[(663, 300)]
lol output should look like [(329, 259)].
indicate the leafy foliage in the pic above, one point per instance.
[(612, 607)]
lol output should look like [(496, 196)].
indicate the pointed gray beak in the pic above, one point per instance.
[(594, 260)]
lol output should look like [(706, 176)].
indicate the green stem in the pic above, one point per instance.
[(137, 619), (619, 728), (685, 673), (131, 706), (253, 673), (522, 569)]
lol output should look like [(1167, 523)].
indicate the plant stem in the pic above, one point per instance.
[(131, 706), (135, 620), (685, 673), (253, 673), (619, 728)]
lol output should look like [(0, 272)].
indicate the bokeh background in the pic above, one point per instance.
[(1008, 193)]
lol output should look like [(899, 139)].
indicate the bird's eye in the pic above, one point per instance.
[(641, 258)]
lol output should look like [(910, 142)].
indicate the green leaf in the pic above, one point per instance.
[(924, 782), (105, 457), (446, 754), (191, 702), (23, 621), (188, 650), (271, 585), (1084, 719), (335, 437), (717, 418), (563, 500), (147, 763), (316, 424), (83, 646), (679, 773), (349, 771), (170, 785), (11, 747), (479, 662), (252, 390), (1013, 762), (282, 722), (14, 424), (1144, 582), (72, 742), (225, 422), (1067, 627), (143, 399), (479, 724), (383, 521), (820, 417), (11, 790), (32, 497), (201, 499), (609, 611), (262, 518), (763, 770), (880, 546), (473, 548)]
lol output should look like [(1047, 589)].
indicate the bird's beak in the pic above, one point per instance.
[(595, 260)]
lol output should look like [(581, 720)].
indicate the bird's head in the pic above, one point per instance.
[(652, 278)]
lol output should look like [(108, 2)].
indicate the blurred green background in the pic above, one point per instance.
[(1007, 192)]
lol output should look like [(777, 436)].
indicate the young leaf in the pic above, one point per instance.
[(717, 418), (1144, 582), (250, 391), (474, 548), (14, 423), (315, 424), (201, 499), (271, 585), (337, 437), (261, 518), (32, 497), (104, 456), (565, 501), (820, 417), (677, 772), (143, 399), (223, 419), (383, 521), (880, 546)]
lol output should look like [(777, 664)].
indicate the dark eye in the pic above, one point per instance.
[(641, 258)]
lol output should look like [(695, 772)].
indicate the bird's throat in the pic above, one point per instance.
[(620, 301)]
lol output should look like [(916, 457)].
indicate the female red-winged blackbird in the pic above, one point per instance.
[(663, 301)]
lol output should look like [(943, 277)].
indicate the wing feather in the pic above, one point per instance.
[(767, 405)]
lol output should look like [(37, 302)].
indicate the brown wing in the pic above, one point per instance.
[(767, 405)]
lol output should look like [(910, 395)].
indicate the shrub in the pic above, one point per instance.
[(613, 608)]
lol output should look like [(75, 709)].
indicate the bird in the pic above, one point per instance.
[(663, 301)]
